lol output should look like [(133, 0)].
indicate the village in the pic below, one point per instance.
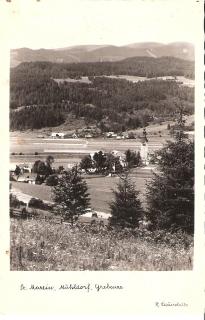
[(24, 172)]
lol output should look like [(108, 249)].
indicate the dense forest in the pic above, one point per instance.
[(137, 66), (37, 100)]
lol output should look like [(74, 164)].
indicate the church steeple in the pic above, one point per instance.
[(144, 147), (144, 139)]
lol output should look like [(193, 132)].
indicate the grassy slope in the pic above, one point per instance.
[(47, 246), (100, 189)]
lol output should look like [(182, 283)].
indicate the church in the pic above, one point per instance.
[(144, 148)]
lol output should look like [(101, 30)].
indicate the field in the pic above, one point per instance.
[(100, 188), (43, 246), (70, 151)]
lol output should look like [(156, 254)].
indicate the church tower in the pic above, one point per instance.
[(144, 148)]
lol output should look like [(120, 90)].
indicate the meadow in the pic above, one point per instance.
[(38, 245), (99, 187)]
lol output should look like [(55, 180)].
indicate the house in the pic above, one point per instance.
[(25, 168), (88, 136), (92, 170), (74, 136), (189, 134), (22, 178), (57, 135), (125, 135), (31, 179), (12, 169), (121, 156), (71, 165), (110, 134)]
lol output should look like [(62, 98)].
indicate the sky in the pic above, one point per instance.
[(62, 23)]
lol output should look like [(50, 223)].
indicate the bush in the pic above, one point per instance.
[(36, 203), (39, 179), (14, 202), (52, 180)]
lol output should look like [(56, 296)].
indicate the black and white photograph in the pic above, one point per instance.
[(102, 141), (102, 147)]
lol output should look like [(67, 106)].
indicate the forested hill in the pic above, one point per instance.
[(138, 66), (37, 100)]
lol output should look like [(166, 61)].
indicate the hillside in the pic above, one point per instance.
[(137, 66), (98, 53), (38, 100)]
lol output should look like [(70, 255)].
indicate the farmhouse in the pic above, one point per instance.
[(57, 135), (74, 136), (88, 136), (12, 169), (111, 134), (121, 156), (189, 134), (25, 168), (31, 179)]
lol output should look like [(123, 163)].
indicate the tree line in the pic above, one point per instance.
[(138, 66)]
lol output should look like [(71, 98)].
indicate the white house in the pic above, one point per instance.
[(190, 134), (121, 156), (111, 134), (56, 135), (25, 168), (12, 167), (74, 136), (88, 136)]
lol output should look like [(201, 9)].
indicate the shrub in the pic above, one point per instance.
[(39, 179), (14, 202), (52, 180), (36, 203)]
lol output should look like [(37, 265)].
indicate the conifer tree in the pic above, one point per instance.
[(170, 194), (126, 210), (71, 195)]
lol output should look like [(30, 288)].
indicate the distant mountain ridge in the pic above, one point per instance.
[(99, 53)]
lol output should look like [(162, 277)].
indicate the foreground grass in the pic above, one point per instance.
[(45, 246)]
